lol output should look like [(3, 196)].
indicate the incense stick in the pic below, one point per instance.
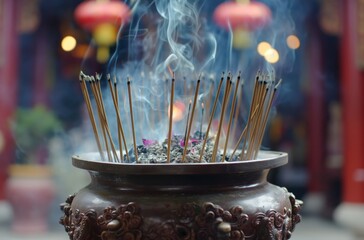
[(259, 124), (238, 142), (242, 135), (95, 86), (237, 109), (270, 102), (91, 114), (209, 98), (120, 128), (211, 117), (255, 126), (99, 113), (170, 122), (254, 121), (132, 122), (191, 120), (252, 106), (112, 90), (121, 134), (260, 121), (222, 114), (188, 117), (112, 145), (231, 116), (202, 112), (261, 103)]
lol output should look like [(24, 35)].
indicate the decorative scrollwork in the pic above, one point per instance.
[(123, 222), (296, 208), (190, 221)]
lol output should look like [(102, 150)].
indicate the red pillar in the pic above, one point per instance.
[(316, 116), (352, 80), (8, 79), (351, 210), (315, 197)]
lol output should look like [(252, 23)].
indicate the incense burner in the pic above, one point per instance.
[(230, 200)]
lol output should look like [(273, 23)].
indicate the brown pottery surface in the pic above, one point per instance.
[(230, 200)]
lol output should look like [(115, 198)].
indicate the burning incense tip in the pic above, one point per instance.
[(170, 71), (278, 84), (201, 123), (98, 77), (185, 139)]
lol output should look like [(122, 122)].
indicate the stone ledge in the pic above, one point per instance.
[(351, 216)]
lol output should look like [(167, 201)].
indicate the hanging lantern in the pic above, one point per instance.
[(242, 17), (102, 18)]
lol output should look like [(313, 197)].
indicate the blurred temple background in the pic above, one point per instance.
[(318, 119)]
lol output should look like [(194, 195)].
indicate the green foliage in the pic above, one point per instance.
[(32, 127)]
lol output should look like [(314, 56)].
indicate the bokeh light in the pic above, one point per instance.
[(68, 43), (293, 42), (271, 55), (263, 47), (2, 141)]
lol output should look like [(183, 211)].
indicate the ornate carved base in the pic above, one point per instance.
[(181, 202), (189, 221)]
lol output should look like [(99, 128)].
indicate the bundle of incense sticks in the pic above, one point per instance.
[(227, 94)]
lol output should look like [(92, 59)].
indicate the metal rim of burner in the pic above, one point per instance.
[(267, 160)]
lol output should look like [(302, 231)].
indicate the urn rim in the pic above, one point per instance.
[(265, 160)]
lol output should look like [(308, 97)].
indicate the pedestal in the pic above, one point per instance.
[(8, 90), (30, 192), (351, 216)]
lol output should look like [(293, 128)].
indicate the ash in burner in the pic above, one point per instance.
[(154, 152)]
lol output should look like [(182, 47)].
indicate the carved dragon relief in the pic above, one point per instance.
[(189, 222)]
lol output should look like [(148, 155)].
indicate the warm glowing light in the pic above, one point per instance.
[(2, 141), (263, 47), (178, 111), (241, 38), (293, 42), (170, 71), (68, 43), (243, 1), (271, 55)]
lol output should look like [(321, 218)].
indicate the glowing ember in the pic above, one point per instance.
[(178, 111)]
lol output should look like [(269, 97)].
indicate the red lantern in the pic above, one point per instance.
[(103, 18), (242, 17)]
